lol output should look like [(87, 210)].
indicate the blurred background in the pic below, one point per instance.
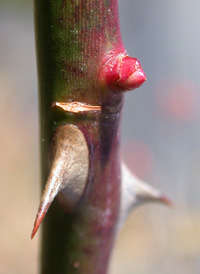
[(160, 138)]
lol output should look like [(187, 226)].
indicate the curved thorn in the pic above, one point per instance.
[(69, 171), (135, 192)]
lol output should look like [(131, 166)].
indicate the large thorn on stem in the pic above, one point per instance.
[(69, 171)]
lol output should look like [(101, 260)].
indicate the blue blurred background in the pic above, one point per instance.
[(160, 138)]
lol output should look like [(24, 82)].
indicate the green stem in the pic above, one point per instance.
[(75, 39)]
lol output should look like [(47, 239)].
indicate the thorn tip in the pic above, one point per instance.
[(39, 218), (167, 201)]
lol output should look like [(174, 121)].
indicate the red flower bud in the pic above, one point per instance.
[(122, 73)]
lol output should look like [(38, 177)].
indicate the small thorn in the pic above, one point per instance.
[(136, 192), (39, 218)]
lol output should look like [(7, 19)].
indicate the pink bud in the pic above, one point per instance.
[(122, 73), (131, 74)]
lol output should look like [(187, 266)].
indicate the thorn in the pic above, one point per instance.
[(68, 174), (135, 192)]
